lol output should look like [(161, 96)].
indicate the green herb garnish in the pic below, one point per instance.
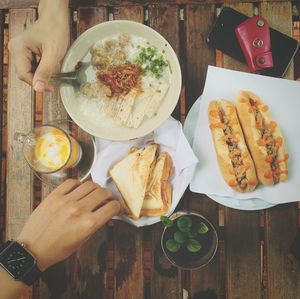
[(172, 245), (184, 223), (193, 245), (186, 234), (167, 222), (202, 228), (180, 237), (151, 61)]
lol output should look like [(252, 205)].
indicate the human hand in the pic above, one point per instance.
[(65, 219), (46, 39)]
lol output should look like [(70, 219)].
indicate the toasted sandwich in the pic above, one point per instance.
[(158, 195), (131, 177)]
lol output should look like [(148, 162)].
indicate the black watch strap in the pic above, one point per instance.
[(4, 245), (33, 273), (32, 276)]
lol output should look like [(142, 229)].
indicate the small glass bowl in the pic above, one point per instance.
[(186, 260)]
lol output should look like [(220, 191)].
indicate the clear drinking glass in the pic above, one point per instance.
[(49, 149), (208, 240)]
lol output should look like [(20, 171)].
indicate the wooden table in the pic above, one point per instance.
[(253, 260)]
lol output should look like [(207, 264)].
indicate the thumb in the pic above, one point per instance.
[(44, 71)]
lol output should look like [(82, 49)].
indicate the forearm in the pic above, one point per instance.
[(10, 288), (54, 8)]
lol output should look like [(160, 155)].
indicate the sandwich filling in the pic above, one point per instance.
[(235, 152), (267, 140)]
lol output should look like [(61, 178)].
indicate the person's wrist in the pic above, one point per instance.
[(36, 253), (54, 10)]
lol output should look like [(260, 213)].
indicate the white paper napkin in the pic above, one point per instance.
[(283, 98), (170, 137)]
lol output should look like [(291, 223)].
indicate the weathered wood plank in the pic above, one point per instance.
[(165, 20), (242, 243), (2, 200), (134, 13), (20, 119), (20, 115), (4, 4), (242, 281), (128, 249), (199, 19), (90, 278), (53, 282), (283, 271), (242, 249)]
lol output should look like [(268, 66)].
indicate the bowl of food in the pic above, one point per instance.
[(133, 80), (189, 240)]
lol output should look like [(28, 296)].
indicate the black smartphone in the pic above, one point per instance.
[(223, 38)]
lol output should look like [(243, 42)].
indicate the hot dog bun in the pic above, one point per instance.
[(264, 139), (234, 159)]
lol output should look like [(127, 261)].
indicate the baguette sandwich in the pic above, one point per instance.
[(264, 139), (233, 157)]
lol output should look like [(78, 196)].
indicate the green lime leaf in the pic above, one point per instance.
[(184, 223), (167, 222), (172, 245), (202, 228), (193, 246), (180, 237), (192, 234)]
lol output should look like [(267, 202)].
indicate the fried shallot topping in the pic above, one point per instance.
[(121, 79)]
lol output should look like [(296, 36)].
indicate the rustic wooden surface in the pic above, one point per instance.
[(253, 260)]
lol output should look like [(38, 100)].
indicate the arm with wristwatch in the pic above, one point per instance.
[(62, 222)]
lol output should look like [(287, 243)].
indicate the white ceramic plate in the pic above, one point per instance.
[(105, 128), (240, 204)]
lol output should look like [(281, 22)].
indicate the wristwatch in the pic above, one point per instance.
[(19, 262)]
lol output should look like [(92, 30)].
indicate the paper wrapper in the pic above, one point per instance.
[(283, 98), (170, 137)]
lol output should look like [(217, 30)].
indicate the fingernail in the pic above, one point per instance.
[(39, 86)]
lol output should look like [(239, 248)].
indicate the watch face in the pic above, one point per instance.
[(16, 260)]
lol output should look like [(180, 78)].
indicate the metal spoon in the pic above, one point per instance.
[(75, 78)]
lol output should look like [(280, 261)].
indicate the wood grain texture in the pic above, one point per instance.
[(20, 119), (134, 13), (128, 264), (209, 279), (54, 281), (242, 244), (4, 4), (2, 161), (20, 116), (283, 271), (165, 20), (199, 19), (279, 16), (242, 249), (89, 277)]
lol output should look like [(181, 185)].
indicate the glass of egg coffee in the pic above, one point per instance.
[(49, 149)]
